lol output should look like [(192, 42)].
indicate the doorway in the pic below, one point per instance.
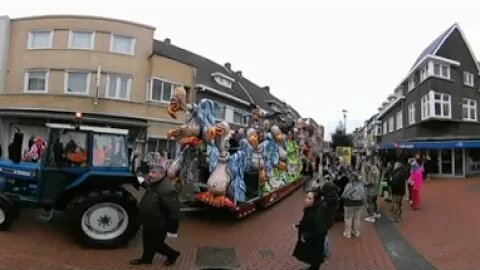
[(459, 162), (446, 161)]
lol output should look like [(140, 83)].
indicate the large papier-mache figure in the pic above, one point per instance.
[(263, 150)]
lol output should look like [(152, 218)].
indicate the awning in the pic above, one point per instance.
[(432, 145)]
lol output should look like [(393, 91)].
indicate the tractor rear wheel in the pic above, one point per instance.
[(103, 218), (7, 214)]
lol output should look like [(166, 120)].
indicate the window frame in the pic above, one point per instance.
[(67, 77), (150, 90), (30, 36), (430, 105), (129, 86), (385, 127), (412, 113), (442, 102), (469, 75), (397, 118), (391, 127), (441, 65), (70, 39), (468, 107), (27, 77), (132, 45), (411, 83)]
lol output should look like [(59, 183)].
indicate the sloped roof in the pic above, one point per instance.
[(242, 88), (433, 47), (205, 67)]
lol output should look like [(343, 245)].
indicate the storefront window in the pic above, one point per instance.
[(474, 160)]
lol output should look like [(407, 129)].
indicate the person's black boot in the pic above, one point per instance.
[(172, 260), (139, 262)]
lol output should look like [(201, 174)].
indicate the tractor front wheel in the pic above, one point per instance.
[(104, 219), (7, 214)]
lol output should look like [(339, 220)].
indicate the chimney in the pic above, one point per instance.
[(267, 88), (168, 41), (239, 73), (228, 66)]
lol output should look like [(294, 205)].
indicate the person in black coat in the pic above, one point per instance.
[(159, 212), (400, 175), (318, 218)]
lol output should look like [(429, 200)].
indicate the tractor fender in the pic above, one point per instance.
[(103, 179), (6, 198)]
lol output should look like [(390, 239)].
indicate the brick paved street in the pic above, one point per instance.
[(262, 241), (445, 230)]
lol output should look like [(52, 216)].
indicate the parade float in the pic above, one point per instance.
[(266, 167)]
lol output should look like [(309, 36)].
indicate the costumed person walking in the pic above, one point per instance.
[(312, 230), (159, 212), (399, 178), (373, 188), (416, 180), (353, 202)]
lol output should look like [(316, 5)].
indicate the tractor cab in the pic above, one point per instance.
[(82, 170), (72, 154)]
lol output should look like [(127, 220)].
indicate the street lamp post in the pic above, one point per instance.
[(344, 120)]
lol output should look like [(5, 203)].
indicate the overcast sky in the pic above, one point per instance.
[(320, 57)]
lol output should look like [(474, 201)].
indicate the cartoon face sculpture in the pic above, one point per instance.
[(178, 101), (256, 113), (253, 138), (219, 130), (278, 136)]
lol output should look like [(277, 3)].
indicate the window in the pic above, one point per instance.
[(223, 82), (441, 70), (122, 44), (118, 86), (69, 149), (436, 105), (77, 82), (385, 128), (41, 39), (219, 111), (161, 90), (469, 109), (81, 39), (423, 73), (238, 118), (390, 124), (425, 109), (411, 84), (411, 113), (36, 81), (442, 105), (399, 120), (109, 151), (468, 79)]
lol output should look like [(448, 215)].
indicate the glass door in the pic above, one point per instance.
[(434, 164), (459, 162), (446, 161)]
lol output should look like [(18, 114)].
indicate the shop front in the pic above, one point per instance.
[(447, 158)]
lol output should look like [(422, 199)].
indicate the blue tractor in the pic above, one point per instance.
[(84, 171)]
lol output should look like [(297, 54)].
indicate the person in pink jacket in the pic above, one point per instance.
[(416, 179)]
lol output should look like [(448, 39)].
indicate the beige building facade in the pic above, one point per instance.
[(54, 66)]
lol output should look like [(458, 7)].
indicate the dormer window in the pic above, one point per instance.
[(441, 70), (223, 80)]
